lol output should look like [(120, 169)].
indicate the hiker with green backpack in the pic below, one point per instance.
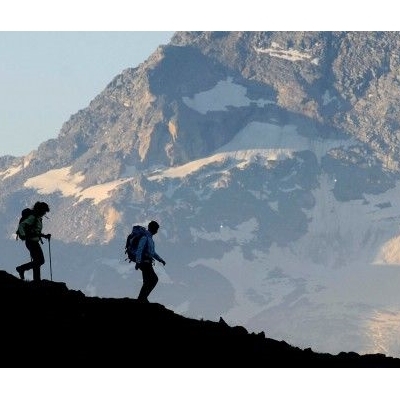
[(30, 230)]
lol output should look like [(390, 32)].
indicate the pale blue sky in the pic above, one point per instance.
[(45, 77)]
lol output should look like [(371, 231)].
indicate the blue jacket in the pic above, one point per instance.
[(146, 250)]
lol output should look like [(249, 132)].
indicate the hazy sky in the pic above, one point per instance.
[(45, 77)]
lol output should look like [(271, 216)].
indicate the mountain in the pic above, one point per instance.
[(271, 162), (49, 325)]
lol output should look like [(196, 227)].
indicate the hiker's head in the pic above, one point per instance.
[(153, 227), (41, 208)]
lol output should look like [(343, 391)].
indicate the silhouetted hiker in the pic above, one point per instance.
[(145, 257), (30, 230)]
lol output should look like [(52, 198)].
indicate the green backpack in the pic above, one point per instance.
[(25, 213)]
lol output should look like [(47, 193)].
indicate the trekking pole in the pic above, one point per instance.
[(51, 271)]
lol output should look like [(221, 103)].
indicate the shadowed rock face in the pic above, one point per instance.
[(48, 325)]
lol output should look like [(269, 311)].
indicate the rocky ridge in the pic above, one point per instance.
[(47, 325)]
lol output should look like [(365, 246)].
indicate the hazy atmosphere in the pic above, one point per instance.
[(325, 262)]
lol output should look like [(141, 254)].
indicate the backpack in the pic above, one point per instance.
[(132, 241), (25, 213)]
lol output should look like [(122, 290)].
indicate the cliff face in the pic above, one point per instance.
[(345, 81), (47, 325)]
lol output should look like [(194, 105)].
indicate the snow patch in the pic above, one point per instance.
[(16, 168), (10, 172), (291, 54), (224, 94), (100, 192), (61, 180), (56, 180), (280, 140), (389, 253), (187, 169), (270, 141)]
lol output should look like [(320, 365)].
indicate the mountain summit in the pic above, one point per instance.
[(271, 162)]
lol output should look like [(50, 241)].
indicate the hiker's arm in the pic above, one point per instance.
[(139, 251), (158, 258)]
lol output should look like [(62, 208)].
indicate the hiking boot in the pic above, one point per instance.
[(20, 272)]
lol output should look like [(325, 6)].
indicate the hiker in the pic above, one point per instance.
[(30, 230), (145, 257)]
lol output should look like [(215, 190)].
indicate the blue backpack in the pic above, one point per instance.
[(132, 242)]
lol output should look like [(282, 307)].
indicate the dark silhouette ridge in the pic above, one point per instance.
[(45, 324)]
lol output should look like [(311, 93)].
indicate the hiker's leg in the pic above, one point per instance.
[(150, 280), (21, 269), (36, 273), (144, 291), (25, 267), (37, 259), (153, 279)]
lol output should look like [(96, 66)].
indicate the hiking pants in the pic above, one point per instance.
[(150, 280), (37, 257)]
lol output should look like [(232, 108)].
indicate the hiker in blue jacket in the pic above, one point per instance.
[(145, 257)]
